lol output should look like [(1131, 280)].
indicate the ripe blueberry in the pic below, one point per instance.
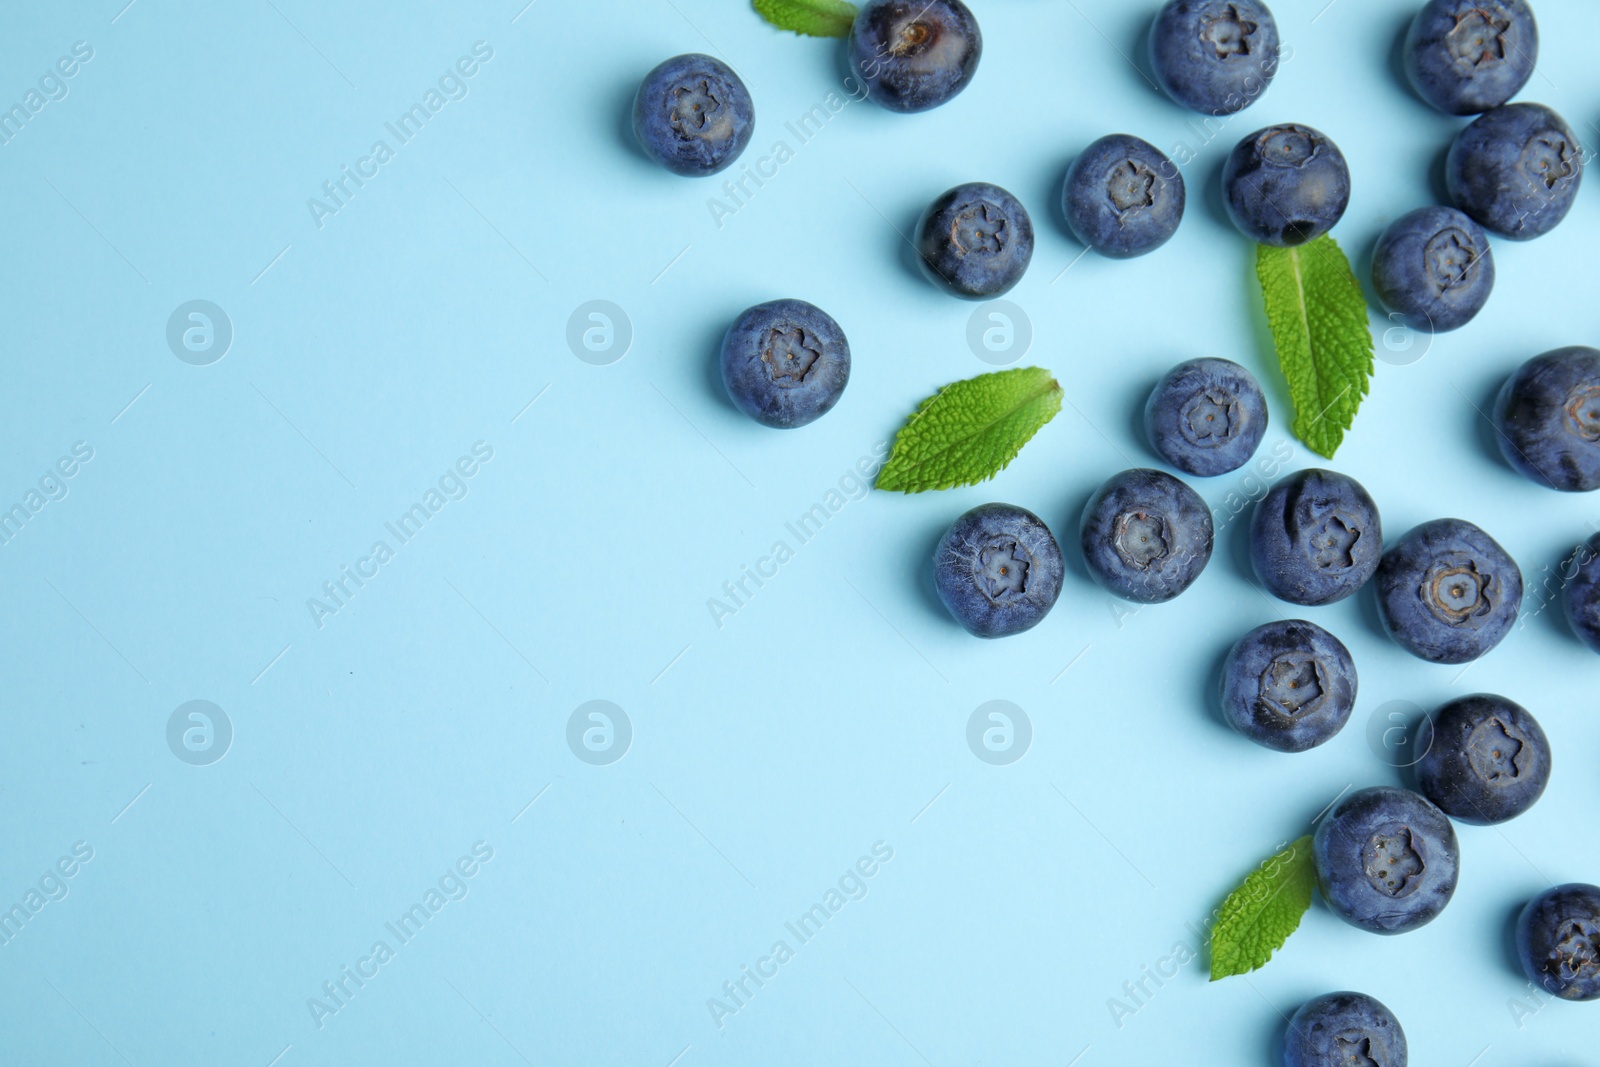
[(785, 363), (1558, 941), (1206, 416), (693, 115), (1467, 56), (1286, 185), (1434, 269), (975, 241), (1487, 761), (1581, 598), (1315, 537), (1548, 415), (1123, 197), (1447, 592), (1214, 56), (1387, 860), (914, 54), (998, 570), (1145, 536), (1288, 685), (1344, 1030), (1516, 170)]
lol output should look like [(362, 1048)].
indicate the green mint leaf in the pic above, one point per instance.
[(814, 18), (1258, 917), (1319, 324), (969, 431)]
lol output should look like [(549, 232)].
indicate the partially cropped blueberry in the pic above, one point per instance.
[(1315, 537), (1581, 597), (914, 54), (975, 241), (1123, 197), (1486, 761), (785, 363), (1558, 941), (1516, 170), (1548, 418), (1387, 860), (1467, 56), (998, 570), (1146, 536), (1344, 1030), (1288, 685), (1286, 185), (693, 115), (1434, 269), (1447, 592), (1214, 56), (1206, 416)]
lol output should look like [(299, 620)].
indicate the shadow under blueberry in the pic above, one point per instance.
[(1212, 195), (1058, 209), (1488, 434), (1237, 535), (1145, 453), (1211, 690), (1436, 173), (905, 237), (921, 565), (709, 341), (626, 92), (1508, 939), (1137, 52), (1370, 617)]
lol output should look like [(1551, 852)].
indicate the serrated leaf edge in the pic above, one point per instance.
[(775, 12), (1051, 386), (1299, 850), (1306, 422)]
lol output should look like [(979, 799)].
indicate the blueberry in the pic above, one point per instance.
[(1145, 536), (1123, 197), (785, 363), (1434, 269), (1516, 170), (1447, 592), (914, 54), (1288, 685), (1548, 415), (1214, 56), (1487, 760), (1286, 185), (1206, 416), (1315, 538), (1344, 1030), (1387, 860), (1558, 940), (975, 240), (1467, 56), (693, 115), (1581, 597), (998, 570)]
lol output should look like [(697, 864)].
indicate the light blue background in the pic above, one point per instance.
[(829, 713)]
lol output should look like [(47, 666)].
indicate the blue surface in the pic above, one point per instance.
[(374, 749)]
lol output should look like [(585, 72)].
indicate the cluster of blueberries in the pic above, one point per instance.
[(1387, 859)]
